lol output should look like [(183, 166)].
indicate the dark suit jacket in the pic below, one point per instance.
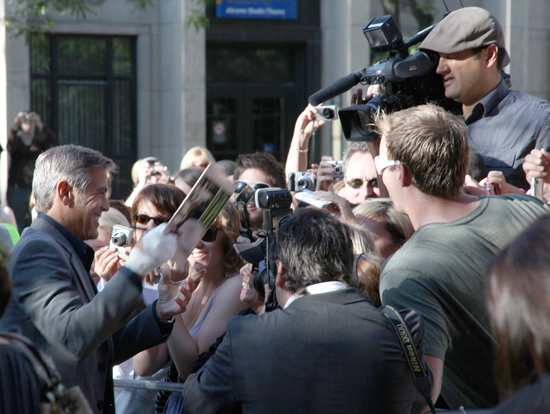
[(325, 353), (56, 305)]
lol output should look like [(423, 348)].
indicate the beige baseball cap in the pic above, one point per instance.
[(463, 29)]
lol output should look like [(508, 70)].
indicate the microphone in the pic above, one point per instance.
[(340, 86)]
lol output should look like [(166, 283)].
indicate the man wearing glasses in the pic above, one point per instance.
[(438, 272), (361, 181)]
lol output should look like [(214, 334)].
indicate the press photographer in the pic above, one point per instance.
[(258, 170), (265, 362), (466, 51)]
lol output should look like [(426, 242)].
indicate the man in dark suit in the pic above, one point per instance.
[(55, 302), (328, 350)]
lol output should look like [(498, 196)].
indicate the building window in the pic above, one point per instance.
[(84, 87)]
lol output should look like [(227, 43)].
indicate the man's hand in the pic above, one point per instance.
[(537, 165)]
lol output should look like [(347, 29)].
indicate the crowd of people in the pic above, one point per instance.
[(270, 313)]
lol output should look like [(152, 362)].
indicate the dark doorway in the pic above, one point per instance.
[(251, 98)]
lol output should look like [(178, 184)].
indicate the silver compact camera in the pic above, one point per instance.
[(304, 180), (537, 187), (327, 113), (120, 237), (338, 168)]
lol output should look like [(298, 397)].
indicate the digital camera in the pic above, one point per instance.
[(327, 113), (338, 168), (120, 237), (300, 180)]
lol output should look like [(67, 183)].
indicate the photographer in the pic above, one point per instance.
[(259, 170), (503, 125), (28, 138), (322, 340), (147, 171)]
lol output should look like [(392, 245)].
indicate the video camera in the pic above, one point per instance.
[(276, 203), (405, 80)]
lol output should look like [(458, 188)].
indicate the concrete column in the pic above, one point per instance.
[(344, 50), (3, 102), (182, 93), (14, 85)]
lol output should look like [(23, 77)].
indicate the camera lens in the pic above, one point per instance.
[(328, 113), (119, 239)]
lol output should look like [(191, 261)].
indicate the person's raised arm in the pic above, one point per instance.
[(305, 125)]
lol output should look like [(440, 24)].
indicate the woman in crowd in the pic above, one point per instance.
[(197, 157), (153, 205), (214, 264), (389, 229), (518, 302)]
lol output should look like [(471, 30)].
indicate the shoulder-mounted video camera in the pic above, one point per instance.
[(405, 80)]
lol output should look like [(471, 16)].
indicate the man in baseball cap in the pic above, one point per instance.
[(503, 125)]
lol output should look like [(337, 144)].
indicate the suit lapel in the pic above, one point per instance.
[(84, 281)]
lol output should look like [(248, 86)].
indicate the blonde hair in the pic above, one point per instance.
[(361, 239), (195, 153), (112, 217), (398, 225)]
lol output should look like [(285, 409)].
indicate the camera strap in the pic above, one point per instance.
[(421, 378)]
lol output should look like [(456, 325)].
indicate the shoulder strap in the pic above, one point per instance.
[(49, 377), (419, 373)]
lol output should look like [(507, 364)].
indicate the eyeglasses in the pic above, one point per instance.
[(210, 234), (255, 186), (381, 164), (145, 219), (357, 183)]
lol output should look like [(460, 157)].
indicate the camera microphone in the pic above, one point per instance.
[(337, 88)]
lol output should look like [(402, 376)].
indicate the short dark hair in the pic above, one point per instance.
[(189, 175), (164, 197), (501, 53), (314, 247), (264, 162)]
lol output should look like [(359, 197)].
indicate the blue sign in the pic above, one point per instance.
[(257, 9)]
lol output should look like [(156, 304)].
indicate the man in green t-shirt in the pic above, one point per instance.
[(439, 272)]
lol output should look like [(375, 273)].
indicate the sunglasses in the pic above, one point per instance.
[(357, 183), (255, 186), (145, 219), (210, 234), (381, 164)]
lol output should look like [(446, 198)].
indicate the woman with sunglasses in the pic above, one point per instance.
[(215, 299), (152, 206)]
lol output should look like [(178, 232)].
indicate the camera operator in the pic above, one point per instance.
[(503, 125), (259, 170), (328, 339), (28, 138)]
